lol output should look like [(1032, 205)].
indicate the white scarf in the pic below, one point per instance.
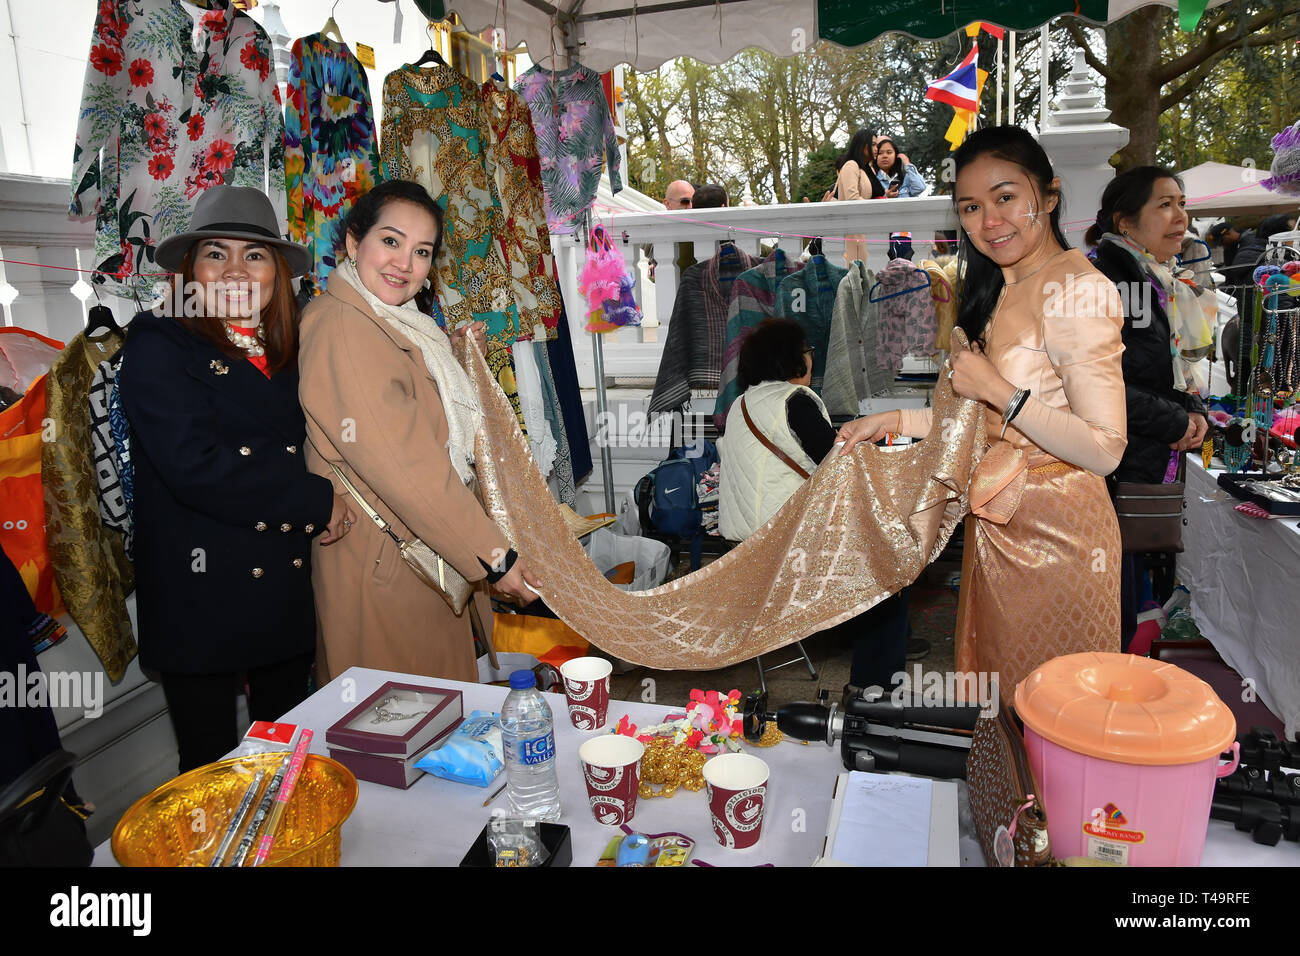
[(459, 400)]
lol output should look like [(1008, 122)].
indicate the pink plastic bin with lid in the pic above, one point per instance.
[(1125, 750)]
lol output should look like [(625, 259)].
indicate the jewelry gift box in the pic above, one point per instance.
[(382, 737)]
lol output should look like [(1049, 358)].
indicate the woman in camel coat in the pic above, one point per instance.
[(373, 408)]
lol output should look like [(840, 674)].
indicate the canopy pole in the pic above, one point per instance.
[(998, 98), (1044, 61), (602, 399), (1011, 77)]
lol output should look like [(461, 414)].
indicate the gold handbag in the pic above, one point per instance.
[(427, 564)]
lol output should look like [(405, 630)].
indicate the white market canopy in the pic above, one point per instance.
[(1224, 190), (647, 33)]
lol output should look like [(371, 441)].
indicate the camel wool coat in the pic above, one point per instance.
[(373, 409)]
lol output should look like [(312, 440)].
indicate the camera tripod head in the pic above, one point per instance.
[(850, 720)]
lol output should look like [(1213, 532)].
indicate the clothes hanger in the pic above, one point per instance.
[(1205, 258), (430, 55), (100, 318), (871, 295), (331, 26), (943, 285)]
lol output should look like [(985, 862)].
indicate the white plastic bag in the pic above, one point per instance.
[(650, 557)]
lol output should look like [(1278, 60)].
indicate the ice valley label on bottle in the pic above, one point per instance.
[(536, 750)]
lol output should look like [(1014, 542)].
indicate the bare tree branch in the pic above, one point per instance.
[(1081, 41), (1201, 72), (1215, 43)]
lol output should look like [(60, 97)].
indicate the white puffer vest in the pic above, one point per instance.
[(755, 483)]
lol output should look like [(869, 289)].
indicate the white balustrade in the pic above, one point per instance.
[(635, 352), (44, 249)]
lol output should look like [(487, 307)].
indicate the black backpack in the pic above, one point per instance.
[(667, 496)]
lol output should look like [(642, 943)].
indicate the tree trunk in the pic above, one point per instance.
[(1133, 46)]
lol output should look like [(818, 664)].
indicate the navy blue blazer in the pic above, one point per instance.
[(225, 508)]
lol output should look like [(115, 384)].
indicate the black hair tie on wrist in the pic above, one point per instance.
[(1024, 397), (508, 562)]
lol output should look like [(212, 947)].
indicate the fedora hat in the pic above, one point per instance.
[(232, 212)]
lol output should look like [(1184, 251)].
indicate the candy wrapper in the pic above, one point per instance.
[(660, 849)]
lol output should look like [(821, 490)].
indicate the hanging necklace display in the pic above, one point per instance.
[(1239, 436), (252, 344)]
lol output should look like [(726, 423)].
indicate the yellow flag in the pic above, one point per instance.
[(973, 29), (961, 120), (957, 128)]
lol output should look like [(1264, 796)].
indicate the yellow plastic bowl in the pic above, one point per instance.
[(182, 822)]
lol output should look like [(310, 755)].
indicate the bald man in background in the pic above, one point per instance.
[(679, 194)]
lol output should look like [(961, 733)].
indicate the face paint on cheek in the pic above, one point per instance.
[(1032, 215)]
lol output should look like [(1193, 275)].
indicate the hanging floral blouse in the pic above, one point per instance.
[(575, 136), (331, 155), (516, 167), (178, 98), (434, 133)]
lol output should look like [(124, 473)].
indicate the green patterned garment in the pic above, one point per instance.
[(435, 133)]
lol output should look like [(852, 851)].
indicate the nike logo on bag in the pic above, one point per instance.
[(669, 491)]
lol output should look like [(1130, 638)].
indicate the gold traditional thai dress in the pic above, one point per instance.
[(1040, 573)]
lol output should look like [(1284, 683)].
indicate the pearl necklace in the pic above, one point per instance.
[(252, 344)]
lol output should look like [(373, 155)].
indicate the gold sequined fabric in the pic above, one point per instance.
[(1044, 583), (91, 569), (860, 529)]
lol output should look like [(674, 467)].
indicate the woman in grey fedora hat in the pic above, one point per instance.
[(225, 509)]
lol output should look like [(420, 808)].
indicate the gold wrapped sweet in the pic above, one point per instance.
[(670, 766)]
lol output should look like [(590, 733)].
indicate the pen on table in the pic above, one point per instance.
[(282, 798), (497, 794), (231, 830), (263, 808)]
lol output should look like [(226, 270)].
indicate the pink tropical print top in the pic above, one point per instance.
[(575, 137)]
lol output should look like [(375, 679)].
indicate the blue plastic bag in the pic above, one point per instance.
[(472, 754)]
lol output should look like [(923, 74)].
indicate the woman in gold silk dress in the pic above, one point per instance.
[(1040, 576)]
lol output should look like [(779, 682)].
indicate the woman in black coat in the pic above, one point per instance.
[(1139, 230), (225, 508)]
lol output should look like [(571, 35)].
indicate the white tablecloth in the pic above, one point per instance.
[(435, 821), (1244, 575)]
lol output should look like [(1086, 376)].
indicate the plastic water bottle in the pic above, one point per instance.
[(527, 734)]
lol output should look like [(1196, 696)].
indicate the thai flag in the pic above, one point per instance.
[(959, 87)]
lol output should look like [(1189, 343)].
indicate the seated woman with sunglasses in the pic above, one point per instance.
[(778, 432)]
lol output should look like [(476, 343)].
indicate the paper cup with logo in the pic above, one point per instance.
[(586, 688), (737, 785), (611, 766)]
